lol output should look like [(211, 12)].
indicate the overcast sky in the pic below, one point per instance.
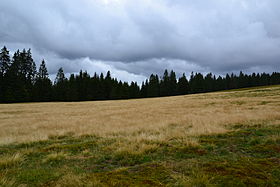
[(134, 38)]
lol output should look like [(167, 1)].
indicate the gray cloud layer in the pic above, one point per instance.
[(138, 37)]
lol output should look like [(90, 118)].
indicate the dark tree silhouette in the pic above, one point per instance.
[(5, 61), (172, 85), (164, 84), (43, 72), (60, 86), (43, 85), (60, 76), (19, 82), (153, 86), (183, 85)]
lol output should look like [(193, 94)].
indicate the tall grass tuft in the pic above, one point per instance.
[(8, 161), (55, 157)]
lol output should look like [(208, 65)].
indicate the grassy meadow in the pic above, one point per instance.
[(227, 138)]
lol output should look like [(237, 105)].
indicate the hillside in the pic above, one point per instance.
[(221, 138)]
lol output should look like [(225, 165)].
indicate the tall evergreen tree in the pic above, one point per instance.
[(5, 60), (30, 66), (172, 85), (43, 72), (16, 63), (134, 90), (25, 65), (197, 83), (108, 85), (5, 63), (241, 80), (60, 76), (209, 82), (183, 85), (72, 92), (18, 88), (144, 89), (43, 86), (164, 84), (60, 86), (153, 86)]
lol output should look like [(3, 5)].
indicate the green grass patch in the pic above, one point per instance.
[(246, 156)]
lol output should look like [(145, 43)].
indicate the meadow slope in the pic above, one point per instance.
[(213, 139)]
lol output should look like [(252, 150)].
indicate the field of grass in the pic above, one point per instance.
[(215, 139)]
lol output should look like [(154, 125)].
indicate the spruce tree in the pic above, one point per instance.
[(72, 94), (60, 86), (60, 77), (43, 72), (164, 84), (108, 85), (5, 60), (15, 65), (17, 87), (43, 86), (30, 66), (197, 82), (144, 89), (172, 85), (183, 85), (5, 63), (209, 82), (153, 86)]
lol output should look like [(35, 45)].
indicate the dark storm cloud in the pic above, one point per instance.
[(140, 37)]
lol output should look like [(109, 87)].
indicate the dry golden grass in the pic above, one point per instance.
[(10, 160), (6, 182), (156, 119), (53, 157), (72, 180)]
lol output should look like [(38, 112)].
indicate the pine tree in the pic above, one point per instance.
[(30, 67), (5, 60), (241, 80), (219, 84), (15, 66), (164, 84), (197, 82), (83, 82), (60, 77), (209, 82), (172, 85), (153, 86), (95, 86), (228, 81), (26, 65), (60, 86), (183, 85), (144, 89), (72, 94), (43, 86), (43, 72), (134, 90), (17, 87), (108, 85)]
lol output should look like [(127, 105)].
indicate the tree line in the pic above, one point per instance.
[(21, 81)]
